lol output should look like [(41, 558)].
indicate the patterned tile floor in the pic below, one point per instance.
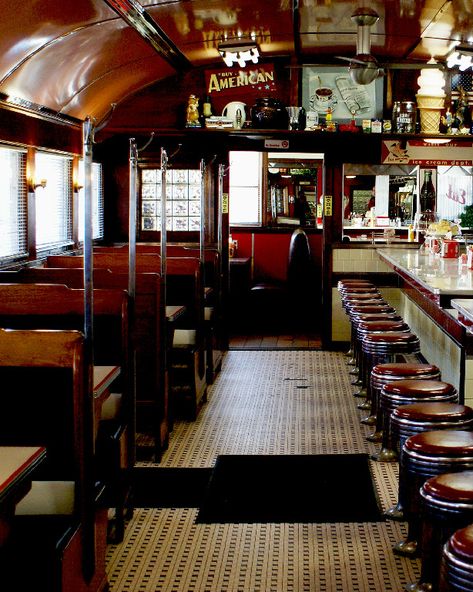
[(266, 402)]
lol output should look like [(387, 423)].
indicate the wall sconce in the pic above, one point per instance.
[(35, 183), (461, 56), (239, 51), (78, 186)]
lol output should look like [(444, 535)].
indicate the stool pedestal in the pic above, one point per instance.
[(424, 456), (409, 420), (404, 392), (447, 505), (383, 374), (456, 570)]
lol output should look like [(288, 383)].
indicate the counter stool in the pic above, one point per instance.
[(423, 456), (384, 348), (362, 328), (446, 506), (345, 283), (456, 568), (409, 420), (383, 374), (405, 392), (366, 306), (355, 317)]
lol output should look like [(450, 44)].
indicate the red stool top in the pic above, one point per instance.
[(441, 443), (350, 281), (457, 487), (362, 296), (383, 326), (461, 543), (405, 369), (372, 307), (419, 387), (433, 412), (375, 316), (391, 338), (358, 288)]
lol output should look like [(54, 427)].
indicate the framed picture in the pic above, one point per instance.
[(325, 87)]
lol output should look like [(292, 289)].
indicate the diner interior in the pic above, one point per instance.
[(236, 296)]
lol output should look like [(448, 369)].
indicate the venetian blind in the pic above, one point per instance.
[(53, 202), (13, 203), (97, 201)]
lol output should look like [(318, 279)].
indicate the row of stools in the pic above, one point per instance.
[(418, 422)]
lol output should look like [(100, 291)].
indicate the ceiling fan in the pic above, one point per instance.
[(364, 67)]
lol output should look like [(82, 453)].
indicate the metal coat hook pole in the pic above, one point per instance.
[(169, 158), (151, 138)]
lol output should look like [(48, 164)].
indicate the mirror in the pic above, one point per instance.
[(382, 195), (294, 185)]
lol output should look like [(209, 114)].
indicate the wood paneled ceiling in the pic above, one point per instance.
[(76, 58)]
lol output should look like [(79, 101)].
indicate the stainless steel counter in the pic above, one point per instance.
[(436, 275)]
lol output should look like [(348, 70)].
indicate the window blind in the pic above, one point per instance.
[(53, 202), (97, 201), (13, 204)]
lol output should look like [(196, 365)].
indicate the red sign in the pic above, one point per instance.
[(244, 84), (444, 153)]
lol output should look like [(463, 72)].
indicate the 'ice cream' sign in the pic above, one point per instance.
[(427, 154)]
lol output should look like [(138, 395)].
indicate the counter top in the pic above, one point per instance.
[(465, 312), (434, 274)]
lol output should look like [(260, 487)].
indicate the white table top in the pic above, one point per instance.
[(438, 275), (16, 462)]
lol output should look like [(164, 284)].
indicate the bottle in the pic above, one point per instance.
[(206, 109), (410, 234), (395, 116), (427, 193)]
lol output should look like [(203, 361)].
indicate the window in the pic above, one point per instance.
[(97, 201), (245, 188), (13, 203), (183, 193), (53, 202)]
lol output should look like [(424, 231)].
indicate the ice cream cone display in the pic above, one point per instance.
[(430, 110), (430, 98)]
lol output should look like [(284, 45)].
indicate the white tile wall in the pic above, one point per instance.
[(362, 260)]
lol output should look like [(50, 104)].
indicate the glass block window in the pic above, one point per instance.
[(183, 194)]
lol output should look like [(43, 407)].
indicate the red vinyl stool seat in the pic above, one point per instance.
[(409, 420), (456, 569), (353, 282), (405, 392), (447, 505), (423, 456), (363, 306), (383, 374), (362, 328), (384, 348)]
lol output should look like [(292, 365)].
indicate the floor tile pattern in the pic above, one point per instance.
[(266, 402)]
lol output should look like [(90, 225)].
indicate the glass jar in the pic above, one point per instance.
[(269, 113), (406, 118)]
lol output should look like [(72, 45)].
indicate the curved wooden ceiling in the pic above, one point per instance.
[(76, 58)]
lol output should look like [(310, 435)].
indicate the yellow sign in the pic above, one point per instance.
[(225, 203), (328, 205)]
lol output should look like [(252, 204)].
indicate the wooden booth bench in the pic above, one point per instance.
[(184, 287), (147, 330), (57, 541), (214, 328), (43, 306)]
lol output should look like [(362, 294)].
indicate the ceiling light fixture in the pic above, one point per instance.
[(239, 51), (461, 56)]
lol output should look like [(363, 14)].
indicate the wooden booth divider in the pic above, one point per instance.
[(57, 541), (50, 306)]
